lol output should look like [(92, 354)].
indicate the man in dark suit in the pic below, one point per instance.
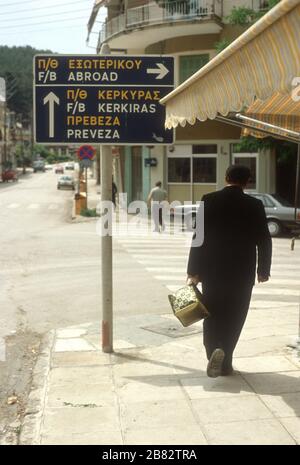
[(235, 232)]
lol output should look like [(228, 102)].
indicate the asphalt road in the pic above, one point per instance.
[(45, 281), (50, 278), (30, 211), (50, 267)]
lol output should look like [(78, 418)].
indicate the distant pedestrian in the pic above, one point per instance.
[(155, 197), (235, 229), (114, 191)]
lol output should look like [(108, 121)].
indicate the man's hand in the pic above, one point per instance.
[(193, 279), (262, 279)]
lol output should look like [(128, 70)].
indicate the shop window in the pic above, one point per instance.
[(179, 170), (205, 170), (189, 64)]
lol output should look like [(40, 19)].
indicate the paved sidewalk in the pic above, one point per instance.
[(154, 390)]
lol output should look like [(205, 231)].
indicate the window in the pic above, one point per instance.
[(250, 162), (193, 164), (268, 202), (205, 170), (189, 64), (263, 4), (179, 170), (284, 202), (204, 149)]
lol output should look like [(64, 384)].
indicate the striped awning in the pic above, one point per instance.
[(279, 110), (262, 61)]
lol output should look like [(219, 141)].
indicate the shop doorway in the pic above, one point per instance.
[(286, 164)]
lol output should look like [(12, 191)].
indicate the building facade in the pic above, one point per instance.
[(190, 31)]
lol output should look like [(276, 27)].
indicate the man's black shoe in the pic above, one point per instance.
[(214, 367)]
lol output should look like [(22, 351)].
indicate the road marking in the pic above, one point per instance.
[(53, 207), (283, 281), (165, 257), (13, 205), (171, 278), (173, 288), (172, 257), (272, 304), (181, 247), (146, 253), (33, 206), (166, 269), (274, 291), (284, 266)]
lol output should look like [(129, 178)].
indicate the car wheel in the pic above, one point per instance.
[(275, 228)]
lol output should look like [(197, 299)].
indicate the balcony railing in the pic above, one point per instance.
[(159, 13)]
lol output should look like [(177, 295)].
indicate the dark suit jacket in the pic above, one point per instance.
[(235, 231)]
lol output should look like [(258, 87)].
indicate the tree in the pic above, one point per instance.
[(243, 16), (17, 69)]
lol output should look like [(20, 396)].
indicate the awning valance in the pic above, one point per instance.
[(279, 110), (260, 62)]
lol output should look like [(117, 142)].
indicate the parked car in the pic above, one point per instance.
[(280, 213), (59, 169), (66, 182), (39, 165), (70, 166), (9, 175), (48, 167)]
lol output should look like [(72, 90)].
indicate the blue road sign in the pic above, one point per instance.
[(102, 99)]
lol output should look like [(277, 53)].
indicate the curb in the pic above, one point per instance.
[(31, 426), (82, 219)]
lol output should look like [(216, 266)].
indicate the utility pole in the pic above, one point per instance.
[(106, 243), (3, 100), (22, 143), (5, 133), (297, 220)]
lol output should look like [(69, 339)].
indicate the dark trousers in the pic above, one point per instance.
[(228, 307), (157, 215)]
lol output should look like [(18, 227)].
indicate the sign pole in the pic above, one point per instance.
[(106, 244), (108, 100), (86, 186), (106, 254)]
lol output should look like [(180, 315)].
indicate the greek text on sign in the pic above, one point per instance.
[(107, 99)]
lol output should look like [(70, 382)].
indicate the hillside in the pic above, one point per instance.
[(16, 68)]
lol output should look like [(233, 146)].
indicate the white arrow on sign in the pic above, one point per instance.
[(161, 71), (51, 98)]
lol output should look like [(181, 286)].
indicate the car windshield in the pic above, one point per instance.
[(283, 202)]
